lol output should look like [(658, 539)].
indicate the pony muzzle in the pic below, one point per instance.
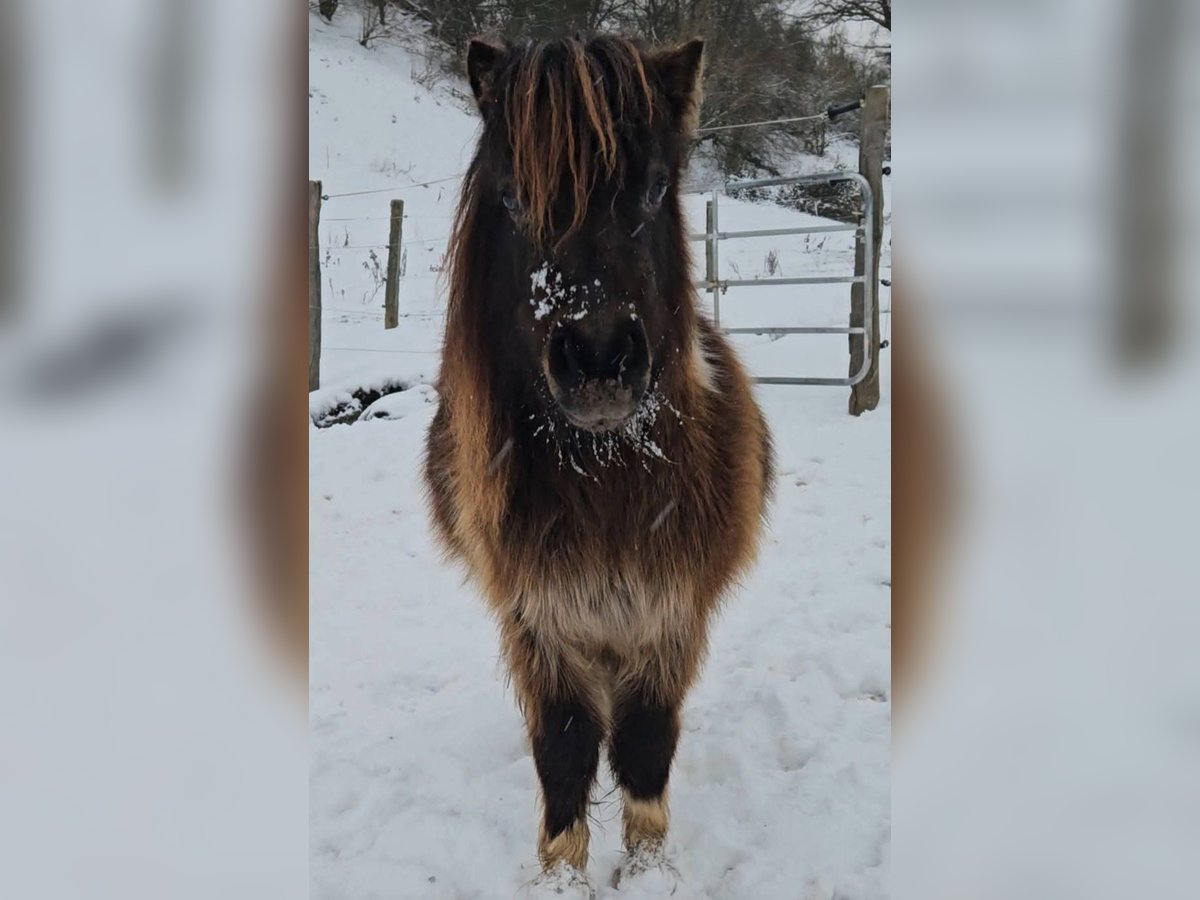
[(597, 372)]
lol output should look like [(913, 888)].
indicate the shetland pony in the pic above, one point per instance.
[(597, 460)]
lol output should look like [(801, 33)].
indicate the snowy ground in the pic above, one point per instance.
[(421, 782)]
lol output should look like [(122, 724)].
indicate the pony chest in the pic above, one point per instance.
[(610, 563), (601, 609)]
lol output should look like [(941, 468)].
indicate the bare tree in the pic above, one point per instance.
[(374, 21), (833, 12), (762, 61)]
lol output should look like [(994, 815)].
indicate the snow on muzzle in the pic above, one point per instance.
[(598, 367)]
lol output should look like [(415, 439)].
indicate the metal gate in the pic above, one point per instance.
[(712, 237)]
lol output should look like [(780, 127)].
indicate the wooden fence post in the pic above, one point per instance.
[(314, 286), (865, 394), (391, 289)]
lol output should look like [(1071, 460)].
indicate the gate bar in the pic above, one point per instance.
[(806, 279), (774, 232), (822, 382), (716, 286), (815, 178), (807, 329)]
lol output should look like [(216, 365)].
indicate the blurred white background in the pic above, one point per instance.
[(1045, 201), (153, 736), (1045, 197)]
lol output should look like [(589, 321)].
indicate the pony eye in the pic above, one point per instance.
[(658, 190), (509, 199)]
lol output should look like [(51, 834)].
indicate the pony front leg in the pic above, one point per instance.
[(565, 718), (566, 736), (644, 735)]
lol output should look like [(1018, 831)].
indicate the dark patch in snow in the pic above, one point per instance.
[(346, 410)]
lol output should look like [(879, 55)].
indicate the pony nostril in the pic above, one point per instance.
[(572, 354), (625, 352), (623, 358), (576, 356), (566, 364), (636, 359)]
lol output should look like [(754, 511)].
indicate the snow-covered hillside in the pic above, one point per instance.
[(422, 785)]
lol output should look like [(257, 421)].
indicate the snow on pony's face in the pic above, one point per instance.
[(575, 186)]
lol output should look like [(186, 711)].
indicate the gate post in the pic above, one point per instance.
[(710, 267), (865, 395), (314, 286)]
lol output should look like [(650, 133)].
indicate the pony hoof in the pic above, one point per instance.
[(646, 871), (563, 882)]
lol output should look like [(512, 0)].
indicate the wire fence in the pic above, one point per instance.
[(446, 218), (362, 311), (444, 237), (830, 113), (714, 128), (325, 347), (394, 187)]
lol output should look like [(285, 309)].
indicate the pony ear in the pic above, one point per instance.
[(679, 69), (483, 58)]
